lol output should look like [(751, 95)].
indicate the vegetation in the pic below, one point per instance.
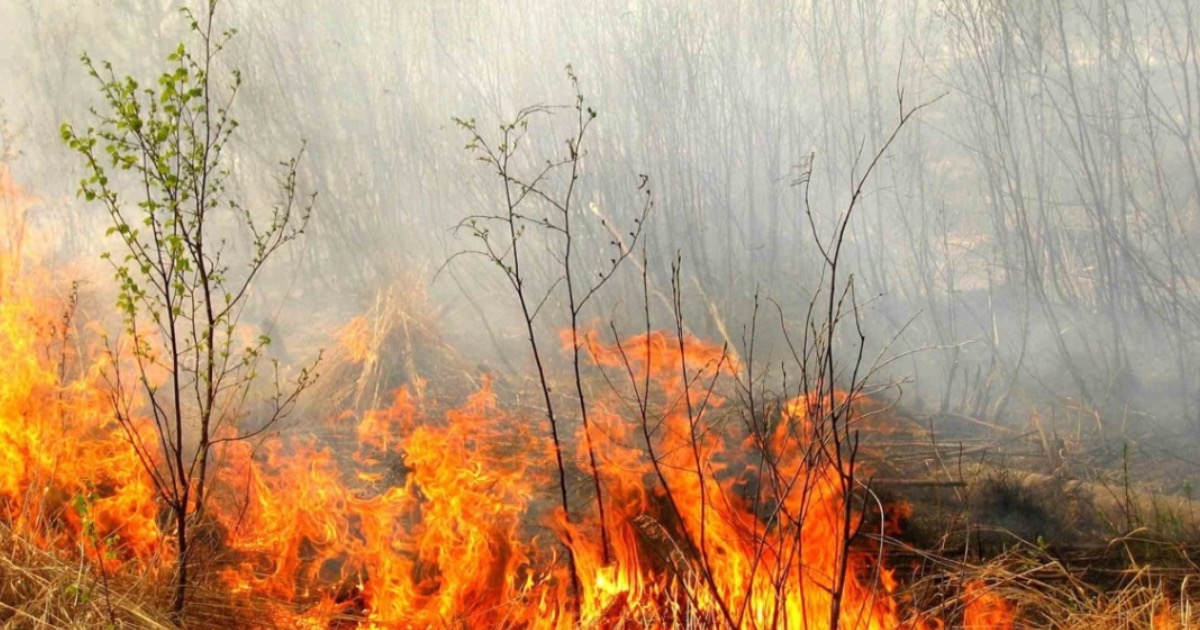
[(962, 392), (557, 214), (179, 294)]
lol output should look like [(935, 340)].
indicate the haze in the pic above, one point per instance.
[(1029, 237)]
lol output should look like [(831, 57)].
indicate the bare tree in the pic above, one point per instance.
[(532, 202)]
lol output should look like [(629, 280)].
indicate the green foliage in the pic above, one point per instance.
[(156, 159), (104, 545), (173, 138)]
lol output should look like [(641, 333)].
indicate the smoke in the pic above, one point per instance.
[(1028, 238)]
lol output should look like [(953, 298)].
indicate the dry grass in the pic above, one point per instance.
[(399, 342), (1050, 595), (43, 590), (39, 589), (1045, 593)]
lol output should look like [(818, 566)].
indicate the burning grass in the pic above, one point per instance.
[(412, 515), (439, 517), (394, 508), (435, 518)]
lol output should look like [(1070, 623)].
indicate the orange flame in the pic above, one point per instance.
[(1165, 618), (355, 339), (450, 519), (68, 478), (986, 609)]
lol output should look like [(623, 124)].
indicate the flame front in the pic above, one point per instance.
[(68, 478), (449, 518), (450, 522)]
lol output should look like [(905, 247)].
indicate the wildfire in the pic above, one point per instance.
[(1164, 618), (68, 477), (985, 609), (447, 518), (355, 339)]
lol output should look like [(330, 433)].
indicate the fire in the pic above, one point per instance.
[(69, 479), (986, 609), (778, 557), (413, 516), (1165, 618), (422, 529), (355, 339)]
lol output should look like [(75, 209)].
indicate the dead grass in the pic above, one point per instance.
[(43, 590), (39, 589), (1050, 595), (397, 341), (400, 343)]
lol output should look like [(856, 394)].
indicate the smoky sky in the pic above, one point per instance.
[(1029, 235)]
